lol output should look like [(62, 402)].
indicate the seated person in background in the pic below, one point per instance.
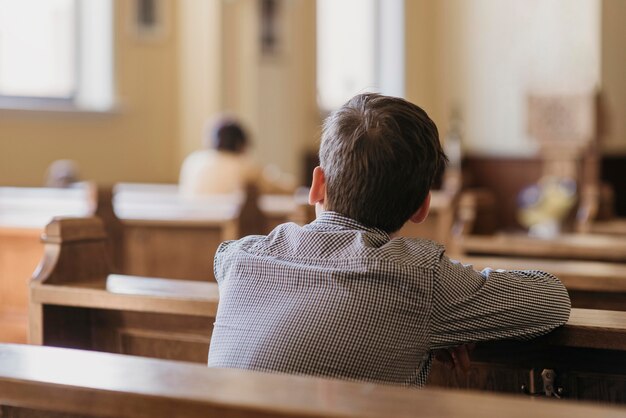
[(343, 297), (223, 166), (61, 173)]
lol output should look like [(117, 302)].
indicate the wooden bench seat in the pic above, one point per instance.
[(564, 247), (167, 235), (76, 302), (47, 382)]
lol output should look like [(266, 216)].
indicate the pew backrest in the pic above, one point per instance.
[(35, 381)]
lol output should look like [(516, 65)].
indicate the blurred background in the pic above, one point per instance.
[(124, 87)]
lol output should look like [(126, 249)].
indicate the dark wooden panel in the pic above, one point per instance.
[(505, 178), (157, 335), (16, 412), (613, 172), (516, 368), (615, 301), (67, 327), (172, 252), (147, 334)]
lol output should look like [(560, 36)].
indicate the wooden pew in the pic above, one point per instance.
[(75, 302), (153, 199), (45, 382), (565, 246), (165, 235), (24, 213), (169, 236), (615, 226)]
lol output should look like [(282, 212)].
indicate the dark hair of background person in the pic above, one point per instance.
[(226, 134), (61, 173), (380, 156)]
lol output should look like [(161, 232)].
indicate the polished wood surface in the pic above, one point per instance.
[(564, 246), (167, 235), (162, 202), (95, 384), (76, 302), (24, 212), (610, 227)]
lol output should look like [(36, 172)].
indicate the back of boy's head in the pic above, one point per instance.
[(226, 134), (380, 156)]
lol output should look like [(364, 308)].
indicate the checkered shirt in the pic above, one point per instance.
[(337, 299)]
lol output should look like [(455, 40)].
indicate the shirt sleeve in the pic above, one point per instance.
[(472, 306), (220, 262)]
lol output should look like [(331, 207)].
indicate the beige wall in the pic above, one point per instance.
[(421, 70), (210, 61), (614, 74), (135, 143), (488, 55), (200, 70), (274, 95)]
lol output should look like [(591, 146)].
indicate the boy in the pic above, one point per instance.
[(342, 297)]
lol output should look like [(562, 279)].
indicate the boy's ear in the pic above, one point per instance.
[(317, 193), (422, 212)]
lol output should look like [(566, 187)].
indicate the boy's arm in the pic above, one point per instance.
[(471, 306)]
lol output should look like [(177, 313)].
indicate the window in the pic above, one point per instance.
[(360, 48), (56, 54)]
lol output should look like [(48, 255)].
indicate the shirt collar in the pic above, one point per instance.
[(335, 221)]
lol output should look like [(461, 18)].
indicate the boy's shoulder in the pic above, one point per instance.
[(413, 251), (290, 240), (250, 242)]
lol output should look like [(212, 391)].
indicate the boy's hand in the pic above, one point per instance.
[(456, 358)]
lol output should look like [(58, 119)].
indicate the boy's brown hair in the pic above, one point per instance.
[(380, 156)]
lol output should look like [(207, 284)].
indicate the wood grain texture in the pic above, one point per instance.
[(173, 319), (97, 384), (564, 247), (165, 235)]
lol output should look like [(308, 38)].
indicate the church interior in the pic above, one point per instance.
[(108, 294)]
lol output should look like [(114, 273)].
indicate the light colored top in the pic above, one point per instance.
[(209, 172), (338, 299)]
